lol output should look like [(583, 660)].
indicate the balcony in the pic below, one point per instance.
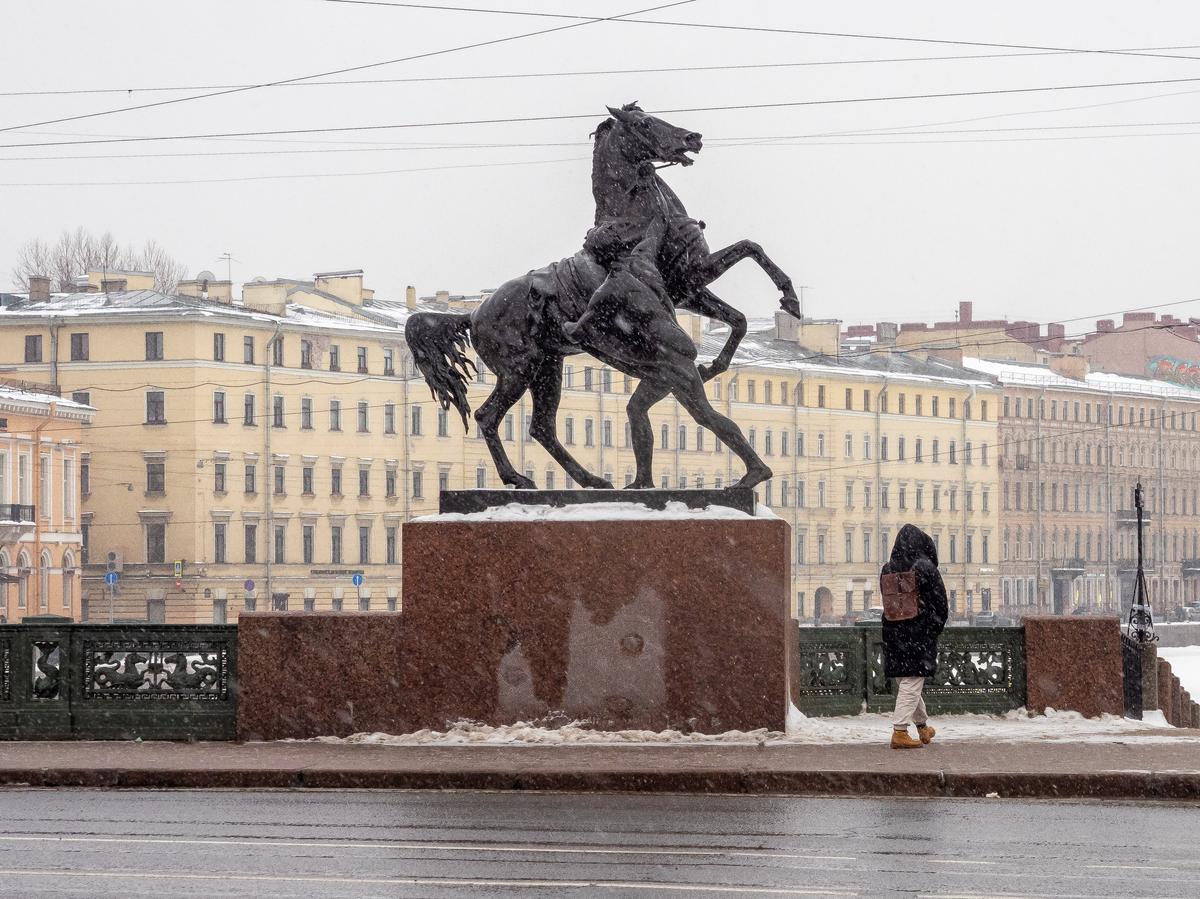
[(1190, 567), (16, 512), (1067, 567), (1127, 518)]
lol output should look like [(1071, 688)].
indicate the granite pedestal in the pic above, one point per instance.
[(643, 623), (1074, 663)]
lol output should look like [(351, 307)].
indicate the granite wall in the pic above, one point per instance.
[(1074, 663)]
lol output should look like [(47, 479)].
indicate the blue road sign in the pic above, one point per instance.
[(357, 580), (249, 585), (110, 578)]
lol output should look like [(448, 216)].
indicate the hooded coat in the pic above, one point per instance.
[(910, 647)]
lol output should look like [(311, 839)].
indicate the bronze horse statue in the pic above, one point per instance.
[(614, 299)]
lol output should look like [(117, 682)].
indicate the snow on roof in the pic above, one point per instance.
[(1101, 381), (763, 350), (37, 401)]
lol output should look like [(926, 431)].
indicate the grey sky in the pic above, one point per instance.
[(1025, 227)]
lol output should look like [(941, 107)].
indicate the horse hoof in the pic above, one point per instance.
[(522, 483), (754, 477), (598, 484), (639, 485), (708, 372), (791, 305)]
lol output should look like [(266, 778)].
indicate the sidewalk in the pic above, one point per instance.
[(1157, 765)]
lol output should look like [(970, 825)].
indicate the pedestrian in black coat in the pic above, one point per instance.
[(910, 646)]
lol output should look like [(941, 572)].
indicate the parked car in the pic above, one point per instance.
[(875, 613), (1193, 611), (989, 618)]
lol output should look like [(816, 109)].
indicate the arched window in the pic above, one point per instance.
[(44, 580), (23, 582), (68, 581)]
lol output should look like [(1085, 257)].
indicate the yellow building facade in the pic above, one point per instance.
[(260, 454), (41, 541)]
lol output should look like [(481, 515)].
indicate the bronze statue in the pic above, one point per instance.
[(614, 299)]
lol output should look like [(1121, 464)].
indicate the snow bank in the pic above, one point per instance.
[(1015, 727), (1185, 664), (675, 511)]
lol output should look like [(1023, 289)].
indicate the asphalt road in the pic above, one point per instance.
[(326, 843)]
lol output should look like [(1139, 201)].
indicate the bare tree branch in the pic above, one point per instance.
[(77, 252)]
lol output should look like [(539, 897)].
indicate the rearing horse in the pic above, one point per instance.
[(518, 330)]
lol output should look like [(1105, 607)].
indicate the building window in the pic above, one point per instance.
[(414, 425), (33, 347), (218, 347), (416, 485), (307, 537), (219, 477), (79, 348), (154, 346), (568, 431), (820, 396), (443, 423), (362, 418), (277, 412), (362, 360), (306, 354), (335, 480), (389, 418), (218, 407), (364, 545), (251, 477), (156, 407), (219, 542), (335, 544), (335, 415), (251, 542), (156, 477), (277, 351), (364, 482), (306, 413), (389, 482), (306, 480), (389, 364), (280, 543), (335, 359), (390, 544), (480, 477), (248, 350), (156, 543), (280, 480), (85, 475)]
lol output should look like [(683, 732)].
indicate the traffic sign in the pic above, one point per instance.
[(110, 578), (249, 585), (357, 580)]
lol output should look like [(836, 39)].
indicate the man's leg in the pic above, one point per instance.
[(908, 697)]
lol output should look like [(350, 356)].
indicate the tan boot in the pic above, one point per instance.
[(925, 732), (902, 740)]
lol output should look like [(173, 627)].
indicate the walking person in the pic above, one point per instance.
[(915, 612)]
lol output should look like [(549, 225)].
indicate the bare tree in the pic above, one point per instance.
[(77, 252)]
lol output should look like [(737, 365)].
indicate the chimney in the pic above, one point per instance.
[(346, 285), (964, 312), (410, 298), (39, 287), (1073, 367), (1106, 326), (266, 296), (113, 285), (885, 333), (442, 298), (1056, 330)]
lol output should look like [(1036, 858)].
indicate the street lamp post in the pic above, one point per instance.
[(1141, 622)]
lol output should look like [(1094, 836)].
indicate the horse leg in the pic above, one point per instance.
[(546, 389), (689, 390), (705, 302), (722, 260), (641, 433), (509, 388)]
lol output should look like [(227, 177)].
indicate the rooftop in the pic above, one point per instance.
[(1096, 381)]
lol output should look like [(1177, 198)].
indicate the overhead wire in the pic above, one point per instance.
[(342, 71), (588, 115)]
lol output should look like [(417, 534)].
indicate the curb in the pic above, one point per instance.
[(1127, 785)]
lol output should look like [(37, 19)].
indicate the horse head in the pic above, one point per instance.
[(641, 137)]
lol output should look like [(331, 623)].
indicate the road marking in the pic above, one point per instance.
[(437, 847), (434, 881), (1133, 867), (955, 861)]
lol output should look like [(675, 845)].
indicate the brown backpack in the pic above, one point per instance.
[(901, 599)]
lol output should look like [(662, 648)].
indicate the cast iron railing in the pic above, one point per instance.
[(840, 670), (16, 512), (1131, 671), (60, 681)]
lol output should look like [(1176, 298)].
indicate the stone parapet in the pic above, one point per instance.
[(1074, 663)]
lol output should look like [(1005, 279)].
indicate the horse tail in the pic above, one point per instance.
[(438, 341)]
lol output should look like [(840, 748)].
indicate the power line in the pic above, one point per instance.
[(343, 71), (576, 116), (760, 29), (567, 74)]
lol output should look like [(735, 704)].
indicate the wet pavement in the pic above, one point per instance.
[(332, 843)]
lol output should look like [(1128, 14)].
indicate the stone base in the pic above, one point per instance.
[(626, 624), (468, 501), (1074, 663)]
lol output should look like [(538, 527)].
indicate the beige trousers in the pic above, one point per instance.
[(910, 705)]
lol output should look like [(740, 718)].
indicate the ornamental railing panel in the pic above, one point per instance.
[(60, 680), (829, 672)]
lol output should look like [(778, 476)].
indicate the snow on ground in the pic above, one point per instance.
[(596, 512), (1014, 727), (1185, 663)]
